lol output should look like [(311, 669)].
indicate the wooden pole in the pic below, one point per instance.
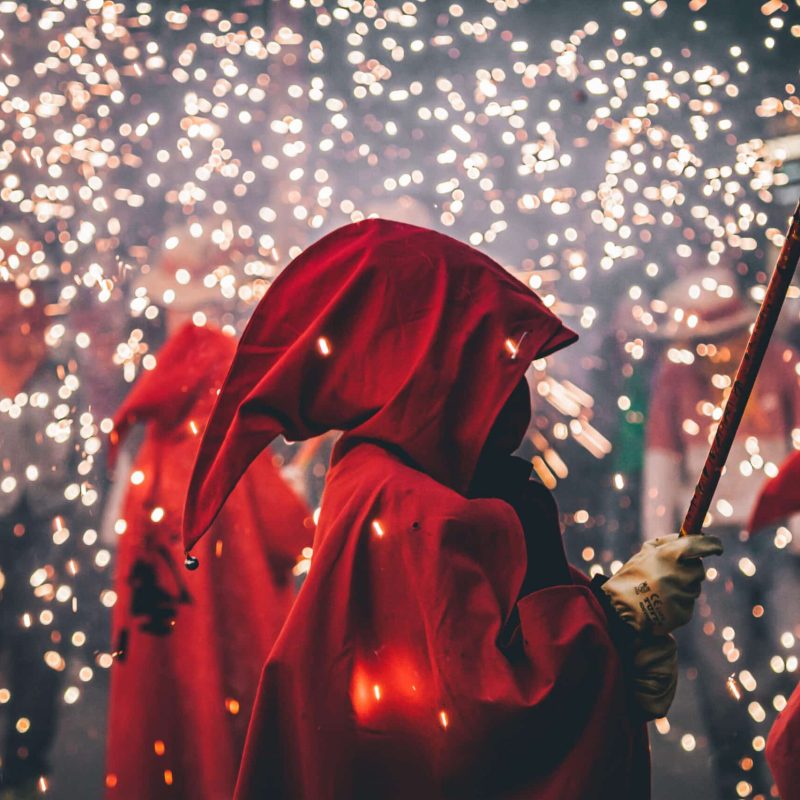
[(745, 378)]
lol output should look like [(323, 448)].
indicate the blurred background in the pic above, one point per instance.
[(634, 163)]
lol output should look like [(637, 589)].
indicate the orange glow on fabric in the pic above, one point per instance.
[(360, 692)]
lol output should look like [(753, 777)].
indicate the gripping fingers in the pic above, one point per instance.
[(693, 571), (698, 547), (684, 609)]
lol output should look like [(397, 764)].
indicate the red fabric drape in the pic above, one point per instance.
[(409, 667), (192, 644), (783, 749)]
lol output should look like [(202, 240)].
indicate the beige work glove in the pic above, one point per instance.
[(654, 591), (655, 674)]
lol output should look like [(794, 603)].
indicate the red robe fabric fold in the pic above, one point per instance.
[(191, 644), (409, 667), (783, 749), (390, 678)]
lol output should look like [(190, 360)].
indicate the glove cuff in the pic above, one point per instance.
[(625, 639), (622, 633)]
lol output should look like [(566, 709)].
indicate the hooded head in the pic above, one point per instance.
[(779, 497), (190, 368), (195, 268), (394, 334), (22, 330)]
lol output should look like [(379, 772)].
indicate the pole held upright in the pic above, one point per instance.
[(746, 376)]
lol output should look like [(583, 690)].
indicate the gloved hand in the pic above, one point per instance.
[(655, 674), (654, 591)]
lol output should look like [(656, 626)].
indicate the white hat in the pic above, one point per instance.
[(705, 303), (189, 270)]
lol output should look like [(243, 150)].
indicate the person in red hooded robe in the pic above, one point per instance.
[(190, 646), (441, 645)]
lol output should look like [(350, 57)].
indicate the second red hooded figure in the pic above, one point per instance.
[(190, 645), (441, 645)]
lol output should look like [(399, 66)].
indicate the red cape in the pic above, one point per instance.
[(783, 749), (191, 644), (780, 496), (409, 667)]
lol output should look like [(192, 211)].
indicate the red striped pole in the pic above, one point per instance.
[(745, 378)]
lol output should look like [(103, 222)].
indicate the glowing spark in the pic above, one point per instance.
[(232, 706), (513, 347), (732, 685)]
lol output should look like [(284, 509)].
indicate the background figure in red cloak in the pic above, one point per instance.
[(36, 458), (441, 645), (746, 605), (190, 645)]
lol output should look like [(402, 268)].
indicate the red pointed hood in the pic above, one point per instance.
[(389, 332), (780, 496), (191, 361)]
